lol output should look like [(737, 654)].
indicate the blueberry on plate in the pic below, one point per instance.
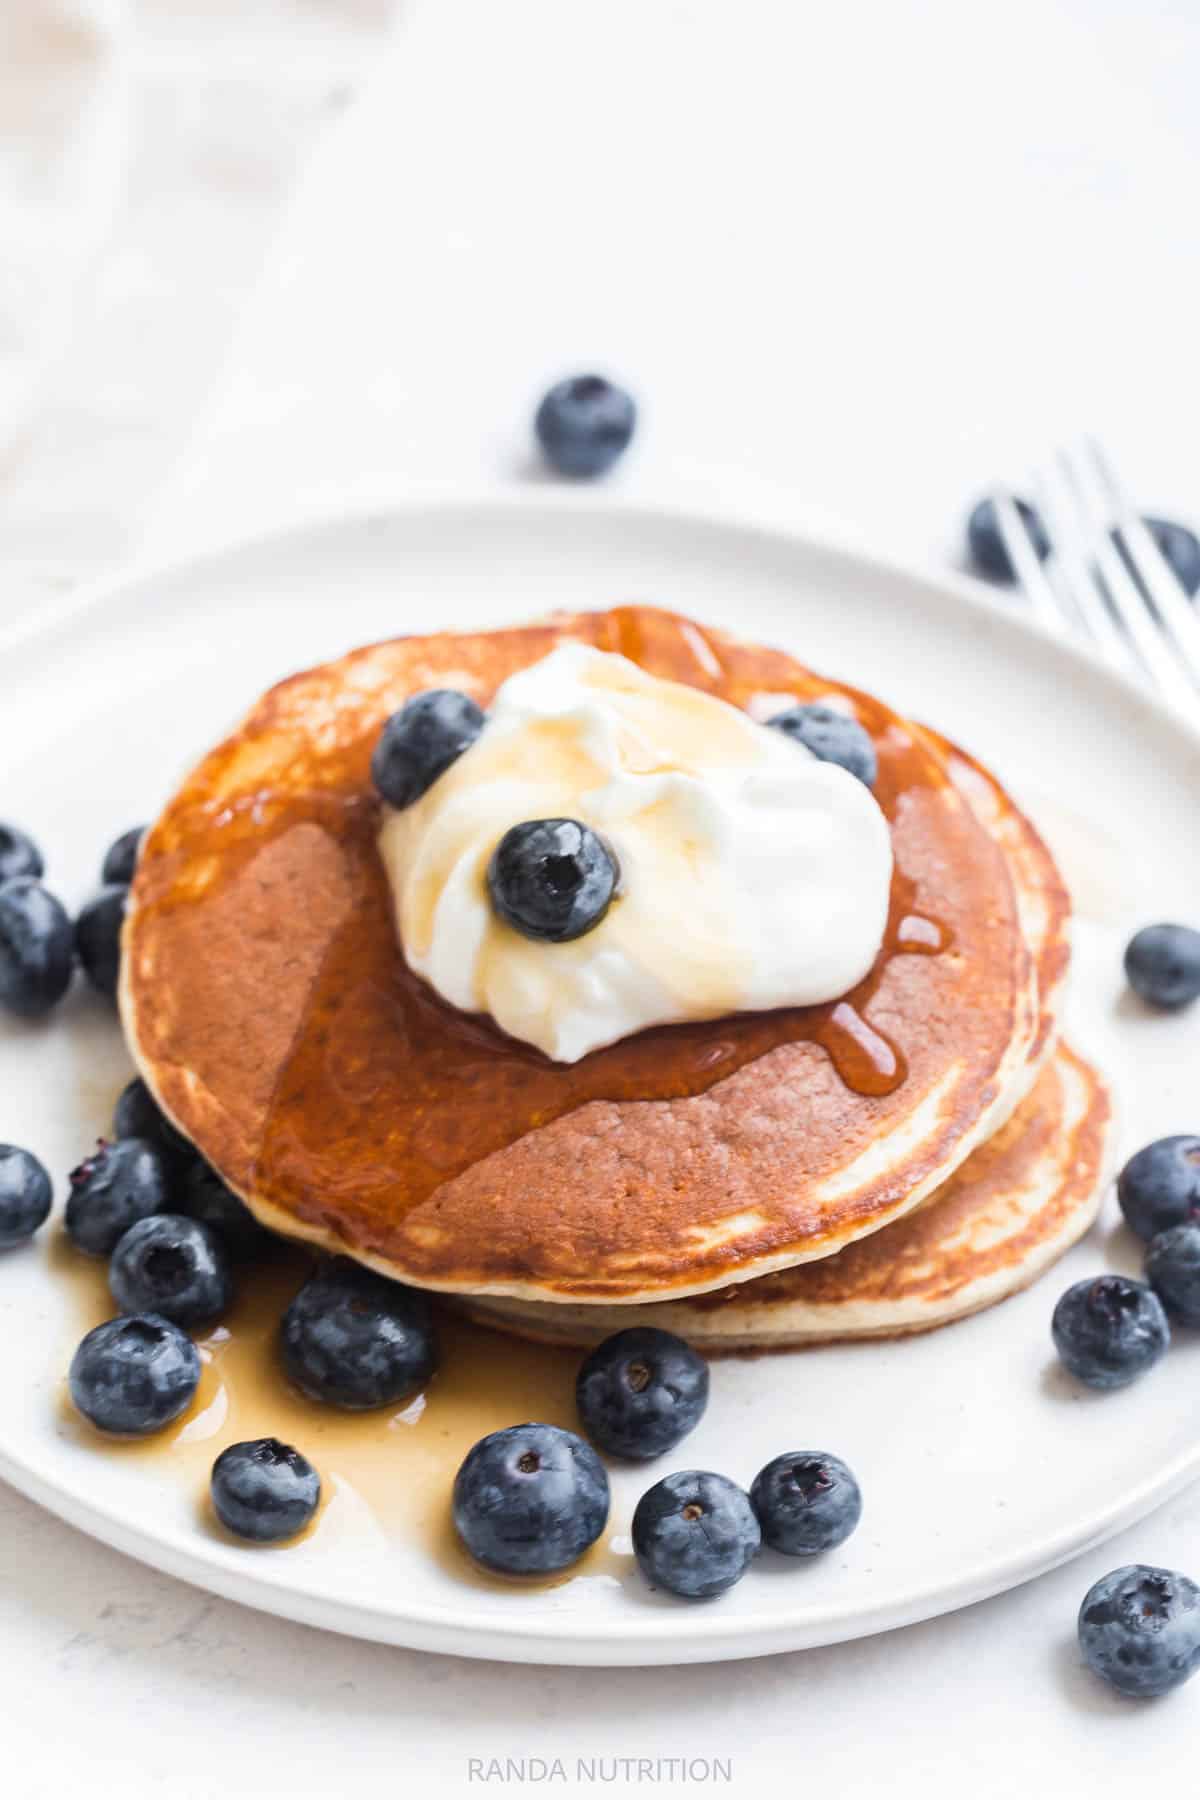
[(1108, 1330), (986, 546), (134, 1375), (111, 1190), (530, 1500), (37, 952), (203, 1195), (1139, 1628), (1160, 1185), (24, 1195), (832, 736), (172, 1266), (138, 1114), (1173, 1270), (98, 937), (120, 859), (552, 879), (695, 1534), (19, 855), (806, 1501), (584, 424), (420, 742), (355, 1340), (1162, 963), (640, 1392), (264, 1490)]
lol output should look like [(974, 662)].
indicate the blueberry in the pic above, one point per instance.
[(120, 859), (98, 938), (1181, 549), (264, 1490), (138, 1114), (584, 424), (1162, 963), (552, 879), (1139, 1628), (24, 1195), (420, 742), (1109, 1330), (36, 949), (134, 1375), (111, 1190), (806, 1502), (1160, 1186), (172, 1266), (203, 1195), (640, 1392), (355, 1340), (1173, 1270), (986, 546), (832, 736), (695, 1534), (530, 1500), (19, 855)]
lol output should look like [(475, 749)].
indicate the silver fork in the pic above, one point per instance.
[(1106, 576)]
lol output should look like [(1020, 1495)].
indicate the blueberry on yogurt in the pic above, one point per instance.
[(552, 879)]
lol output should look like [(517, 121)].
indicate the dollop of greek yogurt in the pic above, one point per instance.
[(752, 875)]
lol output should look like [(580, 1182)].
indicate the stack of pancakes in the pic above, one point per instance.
[(880, 1165)]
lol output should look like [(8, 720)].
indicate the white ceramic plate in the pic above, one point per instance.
[(981, 1464)]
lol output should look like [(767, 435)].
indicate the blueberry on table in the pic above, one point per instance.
[(1139, 1628), (695, 1534), (584, 424), (264, 1490), (419, 743), (132, 1376), (111, 1190), (98, 938), (354, 1339), (138, 1114), (19, 855), (640, 1392), (120, 859), (552, 879), (832, 736), (1162, 963), (25, 1195), (1160, 1185), (805, 1502), (37, 952), (203, 1195), (172, 1266), (1108, 1330), (1173, 1270), (986, 545), (530, 1500)]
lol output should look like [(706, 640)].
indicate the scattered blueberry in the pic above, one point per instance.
[(419, 743), (138, 1114), (552, 879), (203, 1195), (640, 1392), (695, 1534), (353, 1339), (832, 736), (98, 938), (264, 1490), (24, 1195), (1160, 1186), (584, 424), (1181, 548), (806, 1502), (111, 1190), (986, 545), (1108, 1330), (36, 949), (172, 1266), (1162, 963), (120, 859), (19, 855), (530, 1500), (1173, 1270), (134, 1375), (1139, 1628)]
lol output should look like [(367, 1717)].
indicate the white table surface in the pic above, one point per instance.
[(856, 260)]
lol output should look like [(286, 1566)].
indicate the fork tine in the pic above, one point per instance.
[(1056, 504), (1027, 564), (1179, 621)]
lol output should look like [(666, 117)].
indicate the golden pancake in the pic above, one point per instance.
[(270, 1009)]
